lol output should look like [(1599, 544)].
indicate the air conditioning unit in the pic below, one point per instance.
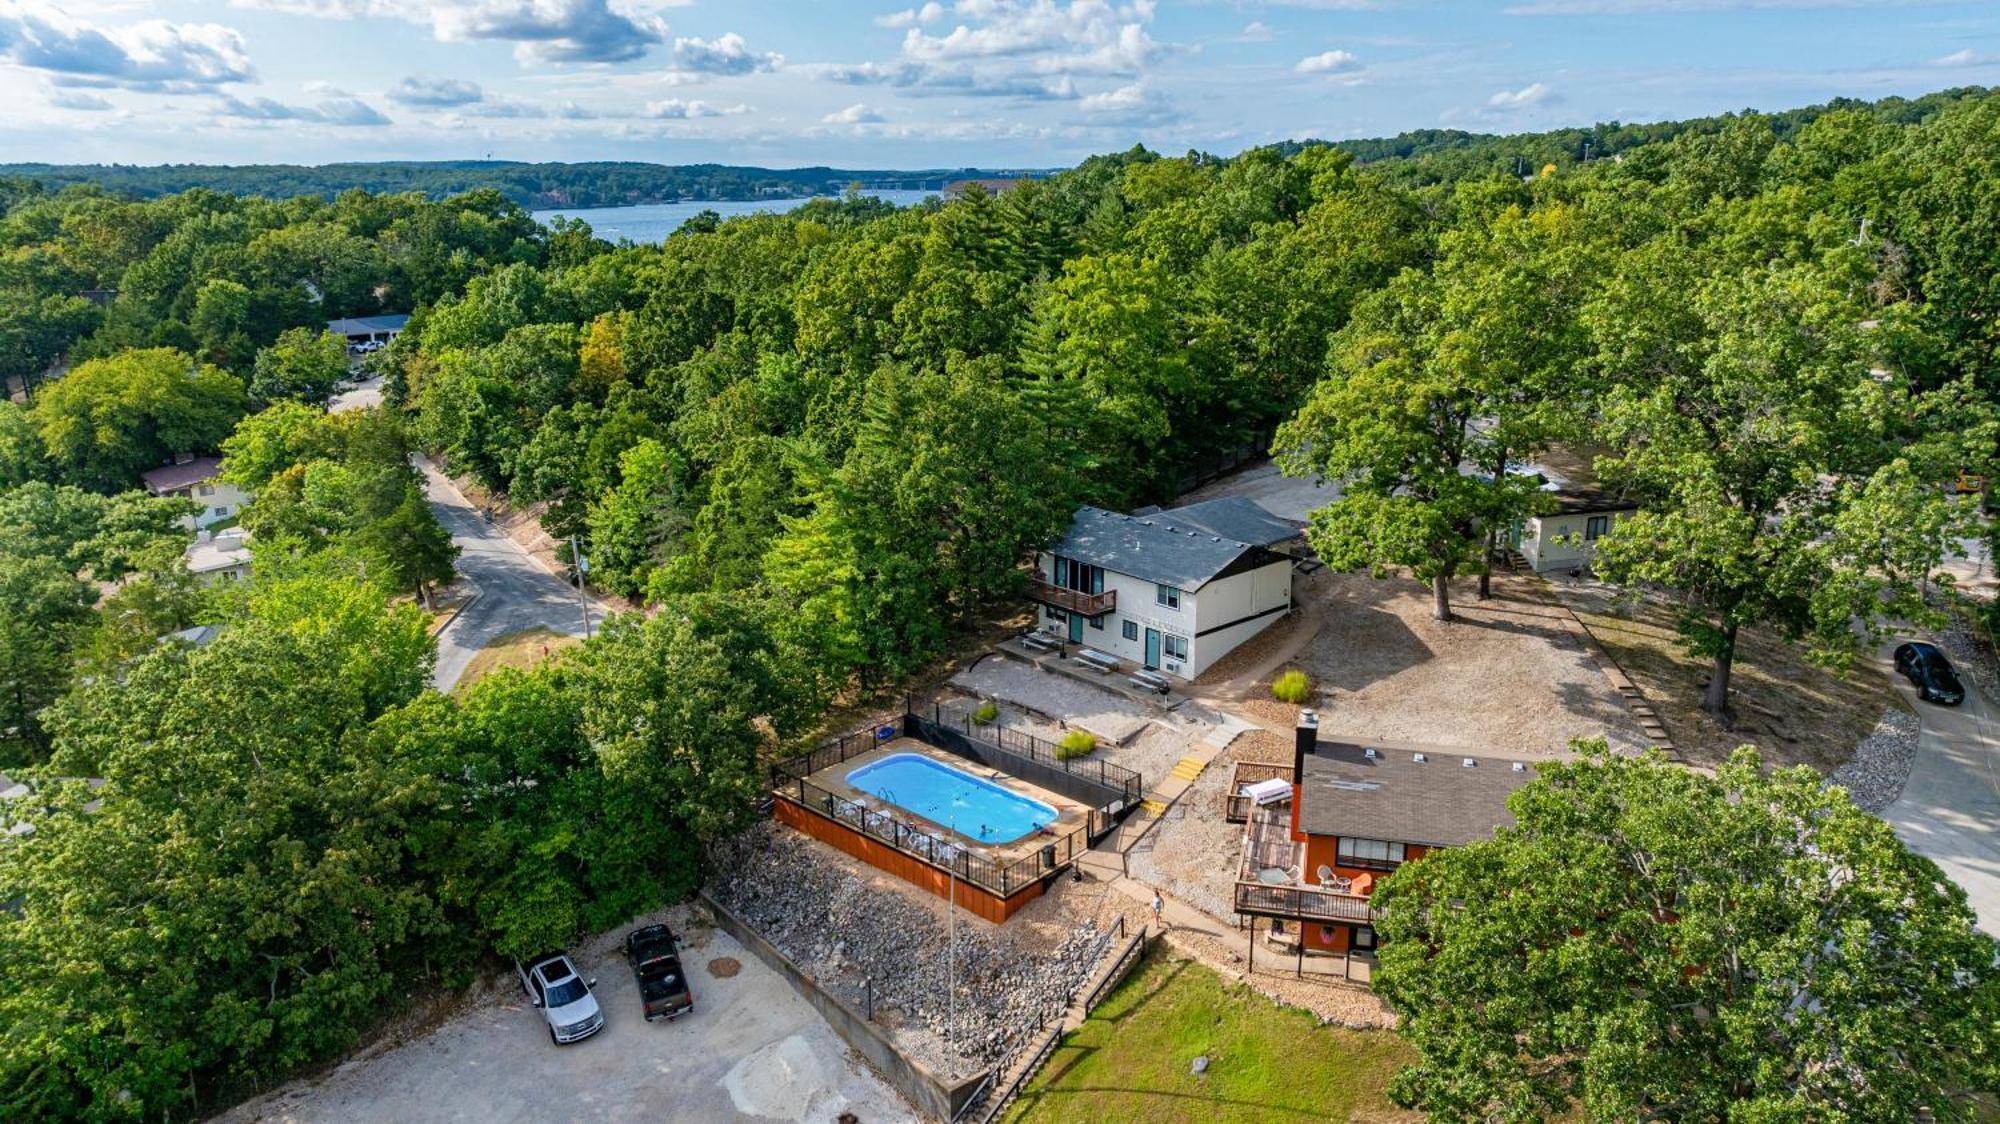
[(1173, 667)]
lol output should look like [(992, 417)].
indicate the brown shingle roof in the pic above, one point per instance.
[(1439, 802), (174, 477)]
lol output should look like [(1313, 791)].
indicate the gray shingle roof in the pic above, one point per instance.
[(368, 325), (1153, 548), (1439, 802), (1236, 517)]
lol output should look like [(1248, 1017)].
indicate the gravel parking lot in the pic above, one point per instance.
[(751, 1050)]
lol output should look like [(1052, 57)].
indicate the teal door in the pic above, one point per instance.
[(1152, 649), (1076, 628)]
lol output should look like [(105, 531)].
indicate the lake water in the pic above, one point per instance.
[(652, 222)]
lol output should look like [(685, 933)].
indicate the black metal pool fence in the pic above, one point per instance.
[(1107, 790)]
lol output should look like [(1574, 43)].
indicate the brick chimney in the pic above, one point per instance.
[(1303, 741)]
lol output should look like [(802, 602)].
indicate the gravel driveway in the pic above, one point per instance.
[(751, 1050)]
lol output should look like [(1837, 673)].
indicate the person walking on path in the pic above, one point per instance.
[(1159, 904)]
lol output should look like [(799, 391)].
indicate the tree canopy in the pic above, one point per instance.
[(1647, 942)]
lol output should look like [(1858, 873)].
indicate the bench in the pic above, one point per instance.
[(1039, 641), (1092, 658), (1148, 681)]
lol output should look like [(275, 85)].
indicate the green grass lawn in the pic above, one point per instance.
[(1266, 1063)]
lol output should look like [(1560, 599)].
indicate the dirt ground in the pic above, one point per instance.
[(1793, 712), (1509, 677), (751, 1050), (524, 649)]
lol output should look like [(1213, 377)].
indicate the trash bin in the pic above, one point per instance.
[(1048, 856)]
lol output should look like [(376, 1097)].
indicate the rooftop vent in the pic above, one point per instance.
[(1469, 763), (1421, 757)]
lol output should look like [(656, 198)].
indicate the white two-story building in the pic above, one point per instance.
[(1161, 594), (199, 479)]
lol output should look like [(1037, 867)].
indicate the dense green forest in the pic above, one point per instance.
[(817, 447), (588, 184), (1419, 156)]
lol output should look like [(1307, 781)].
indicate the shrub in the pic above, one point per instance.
[(1292, 687), (987, 712), (1076, 743)]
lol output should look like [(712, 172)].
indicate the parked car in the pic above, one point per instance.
[(564, 997), (1928, 668), (656, 964)]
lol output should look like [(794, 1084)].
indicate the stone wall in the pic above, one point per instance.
[(856, 930), (925, 1090)]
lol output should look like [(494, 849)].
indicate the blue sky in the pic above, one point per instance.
[(892, 84)]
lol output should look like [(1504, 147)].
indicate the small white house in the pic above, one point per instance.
[(199, 479), (1567, 538), (221, 557), (1162, 595)]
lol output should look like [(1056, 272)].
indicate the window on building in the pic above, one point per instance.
[(1175, 647), (1364, 937), (205, 490), (1595, 526), (1367, 851), (1062, 572), (1131, 630), (1097, 622), (1167, 595)]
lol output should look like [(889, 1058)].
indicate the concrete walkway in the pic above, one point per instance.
[(1950, 808)]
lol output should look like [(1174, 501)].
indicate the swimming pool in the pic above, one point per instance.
[(953, 797)]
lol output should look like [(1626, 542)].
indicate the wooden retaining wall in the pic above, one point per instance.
[(909, 868)]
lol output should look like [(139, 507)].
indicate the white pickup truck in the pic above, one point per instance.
[(564, 997)]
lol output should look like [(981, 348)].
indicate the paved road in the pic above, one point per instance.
[(1950, 809), (515, 592), (367, 392)]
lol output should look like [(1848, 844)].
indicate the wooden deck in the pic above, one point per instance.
[(1268, 851)]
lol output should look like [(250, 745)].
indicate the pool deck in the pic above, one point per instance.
[(1069, 814)]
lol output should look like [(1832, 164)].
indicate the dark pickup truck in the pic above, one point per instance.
[(656, 964)]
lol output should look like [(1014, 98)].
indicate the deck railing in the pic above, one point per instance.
[(1020, 743), (1305, 903), (1072, 600), (945, 854), (1236, 806)]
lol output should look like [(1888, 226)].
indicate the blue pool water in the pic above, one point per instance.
[(970, 805)]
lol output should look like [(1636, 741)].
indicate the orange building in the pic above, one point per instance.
[(1353, 813)]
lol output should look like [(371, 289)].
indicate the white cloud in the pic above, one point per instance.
[(1670, 7), (344, 111), (910, 17), (1535, 93), (541, 30), (151, 55), (1085, 36), (725, 55), (435, 92), (1255, 32), (856, 114), (1329, 62), (1967, 57), (78, 99), (1136, 104), (675, 109)]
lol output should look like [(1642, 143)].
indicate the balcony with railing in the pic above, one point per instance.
[(1072, 600), (1270, 883)]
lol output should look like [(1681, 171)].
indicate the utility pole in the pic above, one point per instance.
[(581, 567)]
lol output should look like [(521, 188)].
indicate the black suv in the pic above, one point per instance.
[(1931, 672)]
